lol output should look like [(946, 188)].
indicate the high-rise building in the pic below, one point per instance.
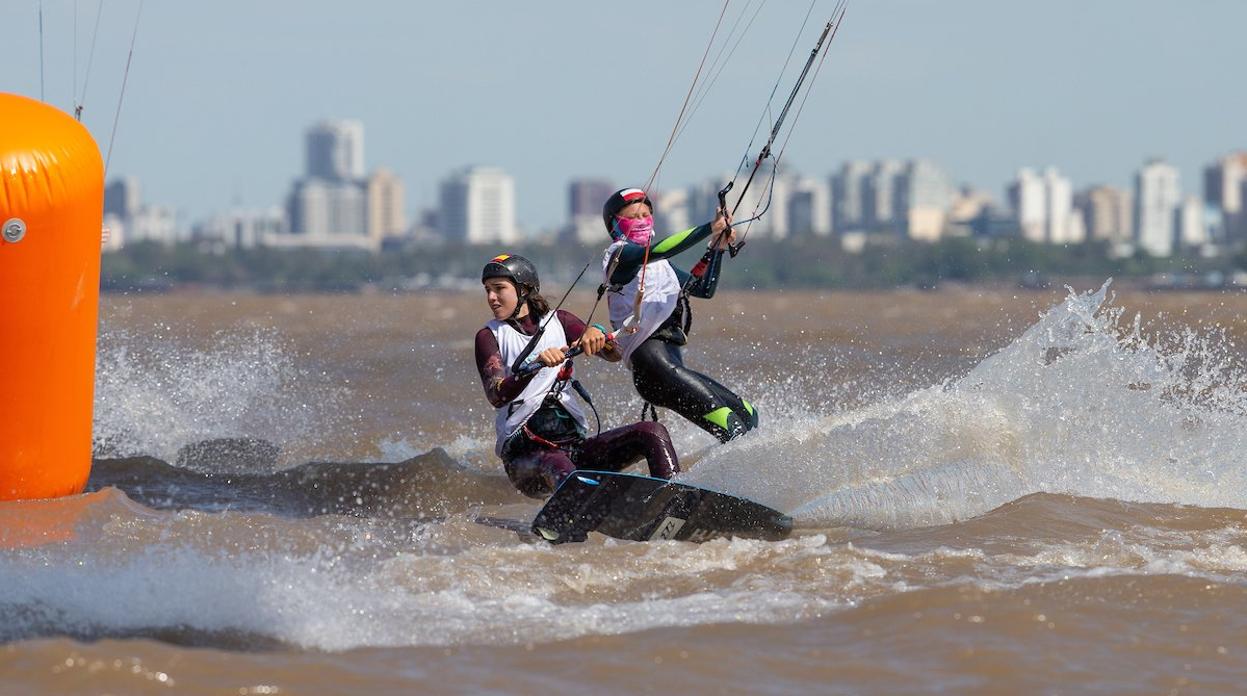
[(772, 203), (122, 201), (1225, 190), (848, 196), (348, 209), (386, 215), (809, 208), (1236, 230), (335, 151), (1223, 182), (1043, 204), (122, 197), (1192, 232), (1063, 226), (308, 207), (924, 193), (1107, 213), (1156, 198), (881, 194), (331, 200), (320, 208), (585, 198), (477, 206), (1028, 199)]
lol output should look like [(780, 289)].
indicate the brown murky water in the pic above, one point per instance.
[(994, 492)]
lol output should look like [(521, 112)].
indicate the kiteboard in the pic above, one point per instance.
[(642, 508)]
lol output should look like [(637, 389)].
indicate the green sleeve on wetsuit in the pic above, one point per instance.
[(631, 256), (678, 242)]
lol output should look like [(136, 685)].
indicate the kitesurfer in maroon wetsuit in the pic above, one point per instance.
[(541, 430)]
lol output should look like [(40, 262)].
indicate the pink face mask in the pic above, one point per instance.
[(636, 230)]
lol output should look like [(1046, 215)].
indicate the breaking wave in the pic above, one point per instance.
[(154, 394), (1085, 402)]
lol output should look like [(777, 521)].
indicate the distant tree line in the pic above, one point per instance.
[(794, 263)]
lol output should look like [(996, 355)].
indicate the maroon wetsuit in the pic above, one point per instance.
[(550, 445)]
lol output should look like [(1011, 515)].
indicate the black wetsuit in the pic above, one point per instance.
[(658, 369), (551, 445)]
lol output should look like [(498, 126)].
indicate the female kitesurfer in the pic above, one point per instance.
[(645, 287), (540, 428)]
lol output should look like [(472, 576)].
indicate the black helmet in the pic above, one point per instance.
[(618, 201), (516, 269)]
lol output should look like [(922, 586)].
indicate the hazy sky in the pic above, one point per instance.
[(220, 92)]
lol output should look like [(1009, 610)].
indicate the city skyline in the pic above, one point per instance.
[(337, 205), (217, 93), (1003, 193)]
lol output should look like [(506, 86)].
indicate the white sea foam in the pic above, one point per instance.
[(153, 394), (334, 583), (1082, 403), (399, 448), (337, 594)]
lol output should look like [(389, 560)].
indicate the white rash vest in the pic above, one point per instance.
[(513, 415)]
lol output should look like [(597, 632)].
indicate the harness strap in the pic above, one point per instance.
[(653, 410), (538, 439), (687, 309)]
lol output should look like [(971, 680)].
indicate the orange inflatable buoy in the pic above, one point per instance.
[(51, 210)]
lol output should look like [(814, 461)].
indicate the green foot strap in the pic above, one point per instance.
[(719, 416)]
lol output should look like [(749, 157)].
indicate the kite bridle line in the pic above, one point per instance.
[(822, 47)]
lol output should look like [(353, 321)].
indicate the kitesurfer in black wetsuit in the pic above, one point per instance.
[(651, 296), (540, 427)]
